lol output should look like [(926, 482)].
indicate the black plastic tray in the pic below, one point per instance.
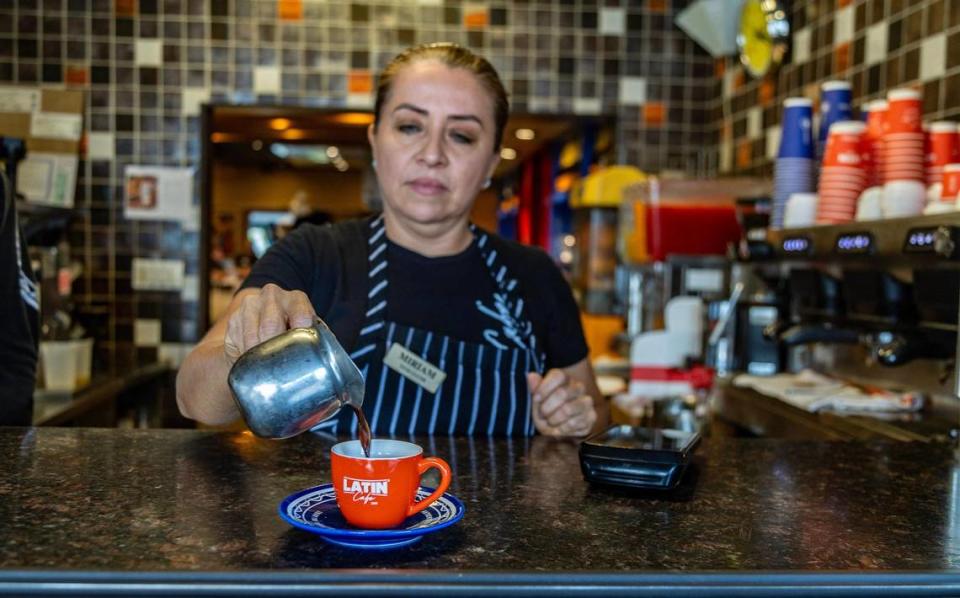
[(637, 457)]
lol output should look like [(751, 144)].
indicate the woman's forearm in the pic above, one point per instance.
[(202, 390)]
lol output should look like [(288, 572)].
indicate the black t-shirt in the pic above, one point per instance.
[(440, 294)]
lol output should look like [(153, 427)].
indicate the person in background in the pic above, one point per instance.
[(418, 286), (19, 317), (304, 211)]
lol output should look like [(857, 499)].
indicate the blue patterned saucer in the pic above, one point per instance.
[(315, 510)]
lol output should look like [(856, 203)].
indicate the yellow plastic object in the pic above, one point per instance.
[(604, 188), (635, 243), (601, 333), (569, 155)]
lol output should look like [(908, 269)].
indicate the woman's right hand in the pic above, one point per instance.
[(263, 315)]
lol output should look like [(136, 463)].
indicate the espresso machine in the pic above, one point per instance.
[(876, 304), (643, 290)]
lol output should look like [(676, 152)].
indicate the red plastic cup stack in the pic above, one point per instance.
[(873, 139), (958, 136), (904, 137), (943, 150), (904, 174), (843, 176), (951, 184)]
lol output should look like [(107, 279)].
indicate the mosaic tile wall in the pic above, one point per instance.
[(149, 64), (876, 45)]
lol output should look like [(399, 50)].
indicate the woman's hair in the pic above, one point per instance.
[(453, 56)]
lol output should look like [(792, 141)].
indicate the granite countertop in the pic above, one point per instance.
[(77, 502)]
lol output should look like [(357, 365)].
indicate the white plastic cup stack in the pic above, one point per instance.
[(683, 318), (801, 210), (870, 204)]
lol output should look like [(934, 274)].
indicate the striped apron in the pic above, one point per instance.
[(484, 392)]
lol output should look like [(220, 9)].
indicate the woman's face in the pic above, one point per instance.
[(434, 143)]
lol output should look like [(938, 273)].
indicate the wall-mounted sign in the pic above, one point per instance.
[(158, 193)]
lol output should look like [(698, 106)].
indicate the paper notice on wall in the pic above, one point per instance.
[(56, 125), (157, 274), (158, 193), (49, 179), (15, 99)]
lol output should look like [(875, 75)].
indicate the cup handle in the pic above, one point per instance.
[(422, 467)]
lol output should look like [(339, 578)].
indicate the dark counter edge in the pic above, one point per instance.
[(100, 391), (357, 582)]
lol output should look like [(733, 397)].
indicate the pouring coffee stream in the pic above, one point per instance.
[(363, 430), (288, 384)]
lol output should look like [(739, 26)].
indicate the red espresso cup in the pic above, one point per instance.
[(380, 492)]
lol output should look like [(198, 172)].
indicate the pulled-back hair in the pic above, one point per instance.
[(454, 56)]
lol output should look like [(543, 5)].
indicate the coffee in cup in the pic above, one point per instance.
[(380, 491)]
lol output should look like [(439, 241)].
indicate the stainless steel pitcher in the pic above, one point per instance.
[(292, 382)]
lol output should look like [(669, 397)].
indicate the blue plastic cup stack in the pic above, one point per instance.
[(835, 99), (795, 170)]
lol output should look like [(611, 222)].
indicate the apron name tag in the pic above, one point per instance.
[(414, 368)]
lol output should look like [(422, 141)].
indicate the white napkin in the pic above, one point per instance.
[(815, 392)]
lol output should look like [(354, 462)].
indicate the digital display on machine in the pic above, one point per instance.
[(920, 240), (800, 245), (855, 243)]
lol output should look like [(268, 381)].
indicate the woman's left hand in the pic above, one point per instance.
[(561, 404)]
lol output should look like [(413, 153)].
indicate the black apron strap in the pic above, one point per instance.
[(350, 299)]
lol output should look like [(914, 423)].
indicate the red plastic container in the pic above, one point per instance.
[(690, 229)]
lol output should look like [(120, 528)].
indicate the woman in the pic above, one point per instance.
[(418, 286)]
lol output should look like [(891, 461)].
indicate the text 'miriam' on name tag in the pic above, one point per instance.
[(414, 368)]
